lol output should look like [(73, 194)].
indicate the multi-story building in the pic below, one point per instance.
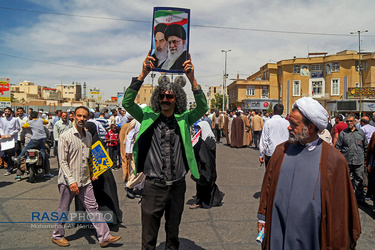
[(333, 80), (144, 94), (70, 92), (26, 91)]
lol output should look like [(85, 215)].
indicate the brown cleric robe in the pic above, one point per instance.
[(237, 132), (247, 138), (340, 226), (226, 128)]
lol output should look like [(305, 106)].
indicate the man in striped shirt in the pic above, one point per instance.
[(74, 179)]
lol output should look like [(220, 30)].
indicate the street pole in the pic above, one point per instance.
[(359, 69), (225, 78)]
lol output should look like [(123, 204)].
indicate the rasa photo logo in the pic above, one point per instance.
[(71, 217)]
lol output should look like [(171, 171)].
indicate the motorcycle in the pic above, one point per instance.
[(34, 161)]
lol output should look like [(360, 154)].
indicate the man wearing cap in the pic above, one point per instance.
[(307, 200), (163, 151), (161, 48), (175, 35)]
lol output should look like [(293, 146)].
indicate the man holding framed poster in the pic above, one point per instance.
[(170, 38)]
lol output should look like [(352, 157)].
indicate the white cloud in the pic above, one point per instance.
[(117, 45)]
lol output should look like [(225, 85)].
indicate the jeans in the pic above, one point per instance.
[(257, 135), (40, 144)]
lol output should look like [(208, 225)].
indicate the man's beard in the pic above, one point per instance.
[(161, 55), (173, 55), (299, 138)]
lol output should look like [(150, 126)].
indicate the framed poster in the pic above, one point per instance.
[(170, 38), (304, 70)]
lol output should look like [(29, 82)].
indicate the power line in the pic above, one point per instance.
[(67, 65), (193, 25), (80, 67)]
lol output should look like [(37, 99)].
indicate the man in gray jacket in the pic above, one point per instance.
[(352, 143)]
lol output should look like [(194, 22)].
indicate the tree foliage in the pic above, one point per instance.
[(217, 102)]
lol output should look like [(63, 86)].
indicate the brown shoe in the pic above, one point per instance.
[(62, 243), (113, 239)]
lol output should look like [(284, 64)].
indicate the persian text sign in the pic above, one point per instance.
[(99, 160), (4, 93), (355, 93)]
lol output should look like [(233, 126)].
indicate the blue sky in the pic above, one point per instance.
[(106, 53)]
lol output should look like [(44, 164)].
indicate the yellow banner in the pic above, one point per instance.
[(94, 93), (4, 99), (99, 161)]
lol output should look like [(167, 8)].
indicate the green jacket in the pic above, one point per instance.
[(147, 117)]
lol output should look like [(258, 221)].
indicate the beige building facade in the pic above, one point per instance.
[(330, 79)]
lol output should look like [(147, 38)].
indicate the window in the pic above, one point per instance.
[(264, 91), (296, 69), (250, 90), (335, 86), (296, 88), (335, 67), (317, 87), (357, 84), (266, 75), (365, 66), (317, 67)]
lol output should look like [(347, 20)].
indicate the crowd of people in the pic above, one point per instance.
[(317, 169)]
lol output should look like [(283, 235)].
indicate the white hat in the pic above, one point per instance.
[(313, 111), (129, 116)]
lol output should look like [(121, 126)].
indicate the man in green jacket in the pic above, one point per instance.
[(163, 151)]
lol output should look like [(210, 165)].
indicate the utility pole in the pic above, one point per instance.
[(225, 77), (359, 69)]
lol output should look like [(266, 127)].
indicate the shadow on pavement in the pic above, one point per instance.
[(184, 244), (367, 209), (5, 183)]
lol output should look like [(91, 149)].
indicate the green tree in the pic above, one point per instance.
[(12, 99), (217, 102), (270, 108)]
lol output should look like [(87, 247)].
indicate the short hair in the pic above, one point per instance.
[(278, 109), (31, 109), (365, 120), (81, 107), (91, 115), (62, 112), (20, 108), (350, 115), (8, 108), (33, 114), (58, 111), (339, 117), (114, 110)]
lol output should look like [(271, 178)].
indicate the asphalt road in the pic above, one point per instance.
[(230, 226)]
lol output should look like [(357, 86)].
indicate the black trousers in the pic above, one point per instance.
[(113, 155), (159, 199), (217, 132), (266, 159), (257, 135)]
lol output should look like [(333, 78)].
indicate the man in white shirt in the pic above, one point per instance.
[(9, 129), (22, 118), (275, 131)]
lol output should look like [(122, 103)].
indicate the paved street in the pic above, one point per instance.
[(231, 226)]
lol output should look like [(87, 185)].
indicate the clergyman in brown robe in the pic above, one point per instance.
[(237, 132)]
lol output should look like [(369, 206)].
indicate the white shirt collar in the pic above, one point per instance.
[(312, 145)]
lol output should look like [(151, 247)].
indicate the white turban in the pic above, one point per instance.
[(313, 111), (129, 116)]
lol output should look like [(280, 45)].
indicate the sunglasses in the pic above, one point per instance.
[(168, 96)]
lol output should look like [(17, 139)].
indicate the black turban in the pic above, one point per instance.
[(175, 30), (160, 28)]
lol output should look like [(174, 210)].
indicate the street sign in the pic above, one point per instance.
[(99, 161), (4, 93)]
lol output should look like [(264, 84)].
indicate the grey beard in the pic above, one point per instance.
[(161, 55), (300, 138)]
